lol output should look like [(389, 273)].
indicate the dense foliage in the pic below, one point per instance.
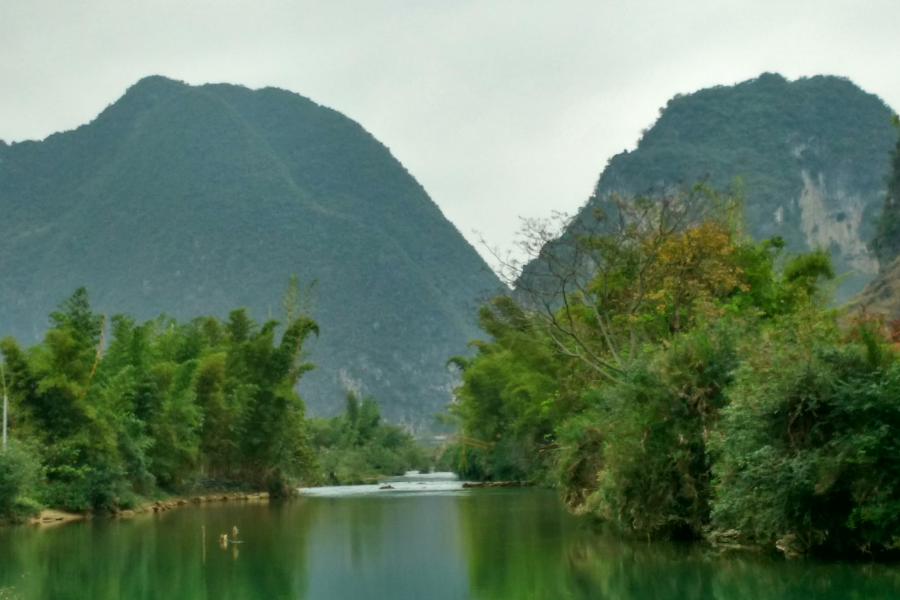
[(357, 447), (506, 391), (163, 404), (677, 380), (808, 445), (194, 200)]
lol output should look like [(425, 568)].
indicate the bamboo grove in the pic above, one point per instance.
[(108, 412)]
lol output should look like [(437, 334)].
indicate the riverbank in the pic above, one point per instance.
[(52, 516), (160, 506)]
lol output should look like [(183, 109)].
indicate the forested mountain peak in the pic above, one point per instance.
[(812, 156), (195, 199)]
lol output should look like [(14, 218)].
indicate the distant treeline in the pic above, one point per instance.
[(356, 446), (107, 412), (679, 380)]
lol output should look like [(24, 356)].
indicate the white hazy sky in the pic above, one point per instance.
[(500, 108)]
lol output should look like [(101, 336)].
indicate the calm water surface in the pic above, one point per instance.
[(402, 544)]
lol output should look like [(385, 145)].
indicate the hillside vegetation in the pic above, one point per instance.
[(881, 297), (811, 157), (194, 200)]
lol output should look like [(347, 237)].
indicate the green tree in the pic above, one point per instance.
[(356, 447)]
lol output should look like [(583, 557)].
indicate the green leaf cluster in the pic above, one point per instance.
[(508, 399), (806, 450)]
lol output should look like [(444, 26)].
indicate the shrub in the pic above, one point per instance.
[(651, 431), (19, 472), (808, 450)]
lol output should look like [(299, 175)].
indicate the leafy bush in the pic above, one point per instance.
[(652, 430), (19, 472), (807, 451)]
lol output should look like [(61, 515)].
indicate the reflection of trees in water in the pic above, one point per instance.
[(356, 525), (514, 544), (161, 557), (519, 545), (604, 567), (522, 546)]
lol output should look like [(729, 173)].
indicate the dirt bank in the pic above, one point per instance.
[(50, 517), (160, 506)]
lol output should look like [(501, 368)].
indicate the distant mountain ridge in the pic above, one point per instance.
[(196, 200), (812, 155)]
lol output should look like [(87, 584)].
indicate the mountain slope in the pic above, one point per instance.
[(882, 295), (886, 242), (812, 156), (195, 200)]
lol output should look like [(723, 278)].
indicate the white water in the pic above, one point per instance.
[(412, 482)]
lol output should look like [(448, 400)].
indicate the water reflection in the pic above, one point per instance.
[(391, 547), (160, 557), (517, 548), (399, 545), (507, 551)]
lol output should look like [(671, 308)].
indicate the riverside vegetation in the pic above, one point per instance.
[(170, 406), (678, 380), (356, 447)]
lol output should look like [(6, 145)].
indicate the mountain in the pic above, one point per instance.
[(812, 156), (196, 200)]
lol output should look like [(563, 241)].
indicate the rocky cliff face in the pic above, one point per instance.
[(835, 217)]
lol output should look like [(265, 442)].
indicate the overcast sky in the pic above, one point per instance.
[(500, 108)]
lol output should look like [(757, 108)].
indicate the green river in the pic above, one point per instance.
[(425, 539)]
